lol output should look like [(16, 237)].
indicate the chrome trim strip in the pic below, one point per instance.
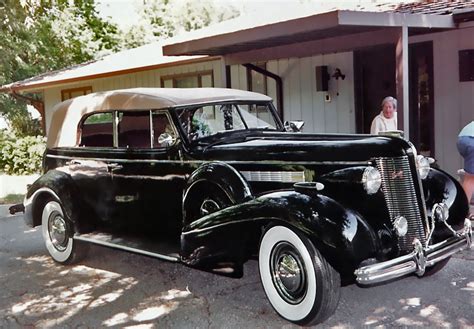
[(274, 162), (274, 176), (131, 249), (414, 262)]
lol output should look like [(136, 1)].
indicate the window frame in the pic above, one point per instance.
[(198, 74), (86, 90), (279, 124), (250, 85), (115, 123)]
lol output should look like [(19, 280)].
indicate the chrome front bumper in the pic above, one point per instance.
[(417, 260)]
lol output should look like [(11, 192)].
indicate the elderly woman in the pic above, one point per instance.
[(386, 120)]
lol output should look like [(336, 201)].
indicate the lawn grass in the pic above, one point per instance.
[(12, 199)]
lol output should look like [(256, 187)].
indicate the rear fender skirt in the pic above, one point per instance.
[(57, 185), (231, 235)]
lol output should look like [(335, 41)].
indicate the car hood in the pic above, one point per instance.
[(307, 147)]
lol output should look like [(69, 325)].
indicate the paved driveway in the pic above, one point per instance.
[(113, 288)]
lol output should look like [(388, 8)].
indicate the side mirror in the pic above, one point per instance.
[(166, 140), (294, 126)]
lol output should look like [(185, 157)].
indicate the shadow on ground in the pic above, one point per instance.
[(112, 288)]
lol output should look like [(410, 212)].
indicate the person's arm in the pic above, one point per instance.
[(375, 128)]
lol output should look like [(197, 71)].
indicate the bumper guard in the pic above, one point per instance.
[(417, 260)]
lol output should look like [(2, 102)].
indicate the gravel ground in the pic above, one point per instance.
[(117, 289)]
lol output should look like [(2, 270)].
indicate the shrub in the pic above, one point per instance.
[(22, 156)]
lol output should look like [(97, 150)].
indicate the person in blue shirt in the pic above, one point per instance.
[(465, 146)]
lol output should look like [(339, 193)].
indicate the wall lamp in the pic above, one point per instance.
[(338, 74)]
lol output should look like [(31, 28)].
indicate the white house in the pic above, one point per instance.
[(330, 68)]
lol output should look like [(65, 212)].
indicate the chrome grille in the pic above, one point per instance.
[(400, 196)]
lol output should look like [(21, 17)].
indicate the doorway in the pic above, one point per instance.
[(374, 79), (421, 97)]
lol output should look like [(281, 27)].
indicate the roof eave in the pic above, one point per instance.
[(261, 36), (37, 86)]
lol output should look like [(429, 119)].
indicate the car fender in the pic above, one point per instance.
[(439, 187), (228, 179), (232, 235), (57, 185)]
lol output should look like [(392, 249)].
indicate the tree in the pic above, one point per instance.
[(42, 36), (162, 19)]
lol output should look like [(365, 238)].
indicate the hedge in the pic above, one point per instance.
[(22, 156)]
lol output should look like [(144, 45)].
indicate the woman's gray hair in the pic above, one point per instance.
[(389, 99)]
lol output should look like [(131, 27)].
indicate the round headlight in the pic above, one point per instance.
[(401, 226), (371, 180), (423, 166)]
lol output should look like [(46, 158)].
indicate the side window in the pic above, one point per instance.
[(75, 92), (97, 130), (162, 131), (134, 129)]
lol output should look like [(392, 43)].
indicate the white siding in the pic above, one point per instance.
[(454, 100), (301, 101), (151, 78)]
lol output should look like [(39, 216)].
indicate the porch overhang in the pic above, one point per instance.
[(334, 24)]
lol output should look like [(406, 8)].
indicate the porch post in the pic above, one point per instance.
[(401, 67)]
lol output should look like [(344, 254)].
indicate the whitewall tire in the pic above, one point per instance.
[(57, 235), (300, 285)]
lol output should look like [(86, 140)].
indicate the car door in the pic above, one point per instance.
[(147, 178), (89, 168)]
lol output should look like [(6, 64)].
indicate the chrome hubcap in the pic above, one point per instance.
[(208, 207), (57, 231), (288, 273)]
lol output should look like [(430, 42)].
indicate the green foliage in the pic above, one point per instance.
[(42, 36), (22, 156), (12, 199), (161, 19)]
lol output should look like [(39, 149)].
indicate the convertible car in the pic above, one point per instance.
[(212, 178)]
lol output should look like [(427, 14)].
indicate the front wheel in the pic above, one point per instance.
[(57, 234), (300, 284)]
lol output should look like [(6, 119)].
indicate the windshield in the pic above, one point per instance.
[(202, 121)]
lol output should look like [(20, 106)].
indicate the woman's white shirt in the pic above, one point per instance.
[(381, 123)]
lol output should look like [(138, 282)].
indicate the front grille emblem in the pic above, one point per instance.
[(397, 174)]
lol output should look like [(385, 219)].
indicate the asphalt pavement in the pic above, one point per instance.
[(117, 289)]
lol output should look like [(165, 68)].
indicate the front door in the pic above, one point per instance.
[(374, 79), (148, 180), (421, 97)]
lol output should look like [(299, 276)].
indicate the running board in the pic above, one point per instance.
[(128, 244)]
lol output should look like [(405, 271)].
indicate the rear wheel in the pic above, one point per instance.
[(57, 234), (300, 284)]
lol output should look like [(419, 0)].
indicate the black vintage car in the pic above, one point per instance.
[(211, 178)]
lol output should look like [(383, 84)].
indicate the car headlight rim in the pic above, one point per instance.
[(401, 226), (423, 166), (372, 180)]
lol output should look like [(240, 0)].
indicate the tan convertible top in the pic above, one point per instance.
[(66, 115)]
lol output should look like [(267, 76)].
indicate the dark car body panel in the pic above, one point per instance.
[(148, 191)]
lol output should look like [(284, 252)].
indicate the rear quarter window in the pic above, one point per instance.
[(97, 130)]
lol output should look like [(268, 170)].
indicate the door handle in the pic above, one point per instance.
[(114, 166), (73, 162)]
